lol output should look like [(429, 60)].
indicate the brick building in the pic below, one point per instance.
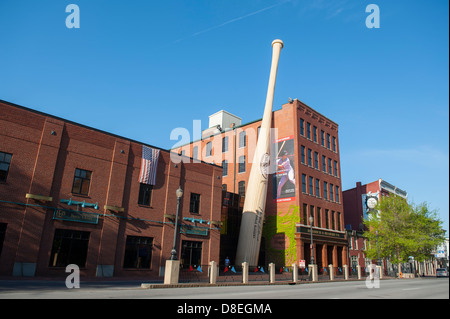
[(311, 186), (355, 207), (70, 194)]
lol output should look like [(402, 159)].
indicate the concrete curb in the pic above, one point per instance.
[(254, 283)]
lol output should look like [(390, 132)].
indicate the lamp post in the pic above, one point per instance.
[(311, 220), (173, 254)]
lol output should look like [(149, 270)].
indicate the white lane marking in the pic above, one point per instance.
[(410, 288)]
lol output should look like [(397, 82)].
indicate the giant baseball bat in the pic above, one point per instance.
[(255, 196)]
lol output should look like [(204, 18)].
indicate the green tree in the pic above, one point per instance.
[(403, 230)]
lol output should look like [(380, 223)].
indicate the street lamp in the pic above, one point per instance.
[(173, 254), (311, 220)]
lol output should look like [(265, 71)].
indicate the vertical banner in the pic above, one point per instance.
[(284, 177)]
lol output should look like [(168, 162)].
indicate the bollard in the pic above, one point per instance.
[(245, 272), (345, 272), (380, 272), (313, 272), (271, 273), (330, 266), (172, 272), (358, 268), (294, 272), (212, 272)]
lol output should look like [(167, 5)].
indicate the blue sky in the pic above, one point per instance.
[(142, 68)]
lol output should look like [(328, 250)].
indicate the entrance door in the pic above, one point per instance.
[(307, 253), (339, 256), (330, 255), (319, 260)]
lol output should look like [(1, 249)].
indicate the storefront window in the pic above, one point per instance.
[(138, 252), (69, 247), (191, 252)]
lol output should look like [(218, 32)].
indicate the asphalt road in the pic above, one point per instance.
[(422, 288)]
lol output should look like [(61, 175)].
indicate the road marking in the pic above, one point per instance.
[(410, 288)]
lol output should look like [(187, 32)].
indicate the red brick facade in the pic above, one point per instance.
[(329, 239), (46, 153), (355, 209)]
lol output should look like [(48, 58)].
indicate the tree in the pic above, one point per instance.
[(403, 229)]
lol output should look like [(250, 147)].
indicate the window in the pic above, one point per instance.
[(322, 138), (333, 224), (145, 194), (242, 139), (241, 168), (311, 186), (338, 221), (311, 213), (5, 161), (138, 252), (325, 190), (327, 218), (305, 212), (334, 144), (195, 152), (319, 217), (2, 235), (69, 247), (328, 141), (354, 260), (191, 252), (329, 166), (335, 169), (324, 164), (317, 188), (331, 192), (316, 160), (309, 157), (194, 204), (315, 133), (241, 188), (208, 149), (337, 194), (224, 168), (302, 127), (81, 182), (304, 183), (225, 144), (303, 154), (308, 130)]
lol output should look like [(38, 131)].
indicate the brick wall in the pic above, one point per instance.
[(46, 152)]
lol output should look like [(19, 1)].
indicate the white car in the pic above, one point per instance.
[(441, 272)]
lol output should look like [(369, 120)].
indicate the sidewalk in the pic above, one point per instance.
[(251, 283), (34, 283)]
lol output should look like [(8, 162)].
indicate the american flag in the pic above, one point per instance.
[(149, 165)]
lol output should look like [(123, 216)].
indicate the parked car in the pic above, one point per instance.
[(441, 272)]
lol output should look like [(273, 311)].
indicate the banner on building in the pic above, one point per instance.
[(284, 177)]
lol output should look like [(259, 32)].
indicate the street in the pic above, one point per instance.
[(422, 288)]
